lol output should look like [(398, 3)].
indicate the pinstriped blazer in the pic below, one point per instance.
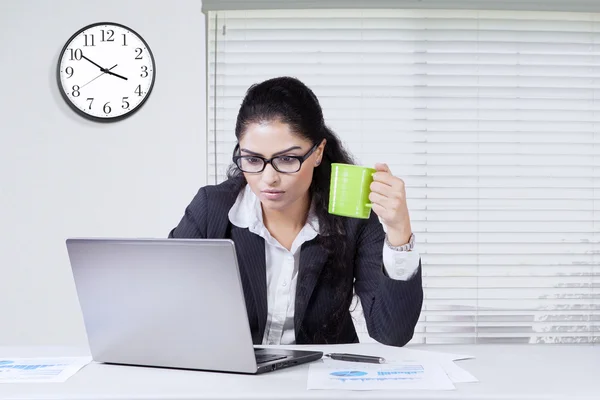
[(323, 295)]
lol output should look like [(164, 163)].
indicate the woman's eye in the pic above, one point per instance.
[(253, 160), (287, 160)]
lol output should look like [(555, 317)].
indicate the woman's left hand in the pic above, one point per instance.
[(388, 196)]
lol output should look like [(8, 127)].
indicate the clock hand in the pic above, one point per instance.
[(97, 77), (104, 70), (101, 69), (117, 75)]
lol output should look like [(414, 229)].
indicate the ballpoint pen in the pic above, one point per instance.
[(356, 358)]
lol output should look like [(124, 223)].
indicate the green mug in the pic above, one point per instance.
[(349, 190)]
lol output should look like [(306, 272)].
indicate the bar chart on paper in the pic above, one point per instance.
[(331, 374), (404, 371), (39, 370), (401, 372)]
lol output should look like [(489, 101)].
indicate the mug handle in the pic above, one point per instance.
[(370, 205)]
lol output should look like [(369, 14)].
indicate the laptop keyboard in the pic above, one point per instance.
[(264, 358)]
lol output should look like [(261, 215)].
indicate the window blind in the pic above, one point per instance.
[(490, 117)]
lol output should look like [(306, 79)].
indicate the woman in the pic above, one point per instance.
[(299, 264)]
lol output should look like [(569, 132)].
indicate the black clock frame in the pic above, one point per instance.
[(81, 112)]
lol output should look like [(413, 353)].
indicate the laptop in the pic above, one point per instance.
[(174, 303)]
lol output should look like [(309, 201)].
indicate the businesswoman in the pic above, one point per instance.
[(300, 266)]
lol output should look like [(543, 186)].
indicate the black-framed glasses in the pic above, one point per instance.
[(283, 164)]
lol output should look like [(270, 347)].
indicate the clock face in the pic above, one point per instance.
[(106, 71)]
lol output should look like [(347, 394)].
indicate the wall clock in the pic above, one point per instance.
[(106, 71)]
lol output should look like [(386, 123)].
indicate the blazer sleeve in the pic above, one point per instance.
[(391, 307), (193, 224)]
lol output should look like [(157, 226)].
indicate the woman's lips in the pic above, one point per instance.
[(272, 194)]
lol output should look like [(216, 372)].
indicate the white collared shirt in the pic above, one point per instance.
[(282, 265)]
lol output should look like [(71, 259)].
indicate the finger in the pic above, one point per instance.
[(386, 202), (384, 177), (383, 167), (379, 210), (387, 190), (390, 180)]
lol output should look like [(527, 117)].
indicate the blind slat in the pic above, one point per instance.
[(372, 6)]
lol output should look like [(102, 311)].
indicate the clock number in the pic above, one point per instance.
[(91, 100), (75, 54), (86, 40), (69, 71), (75, 92), (110, 33), (139, 55), (138, 90), (125, 105), (107, 108), (144, 71), (124, 40)]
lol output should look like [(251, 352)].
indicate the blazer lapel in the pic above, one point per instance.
[(312, 260), (250, 249)]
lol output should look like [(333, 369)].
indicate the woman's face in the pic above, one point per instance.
[(276, 190)]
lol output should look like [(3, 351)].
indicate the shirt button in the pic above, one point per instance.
[(284, 284), (399, 259)]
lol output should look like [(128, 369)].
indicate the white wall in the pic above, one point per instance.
[(62, 175)]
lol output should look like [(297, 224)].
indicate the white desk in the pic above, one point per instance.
[(511, 372)]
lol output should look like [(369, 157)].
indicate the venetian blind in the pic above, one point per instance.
[(490, 117)]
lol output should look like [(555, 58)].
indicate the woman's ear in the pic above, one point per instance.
[(320, 152)]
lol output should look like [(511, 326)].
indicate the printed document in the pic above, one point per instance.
[(30, 370), (340, 375)]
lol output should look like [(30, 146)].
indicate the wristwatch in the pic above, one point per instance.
[(405, 247)]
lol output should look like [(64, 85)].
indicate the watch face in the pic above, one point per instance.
[(106, 71)]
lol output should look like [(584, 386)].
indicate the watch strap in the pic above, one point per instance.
[(405, 247)]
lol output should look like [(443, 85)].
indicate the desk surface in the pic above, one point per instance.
[(511, 372)]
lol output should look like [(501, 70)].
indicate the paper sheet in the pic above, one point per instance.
[(403, 355), (456, 373), (446, 361), (37, 370), (340, 375), (412, 354)]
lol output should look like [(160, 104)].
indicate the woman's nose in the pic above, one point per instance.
[(269, 175)]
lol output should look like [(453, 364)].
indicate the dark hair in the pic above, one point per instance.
[(290, 101)]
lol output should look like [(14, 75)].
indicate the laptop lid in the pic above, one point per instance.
[(163, 302)]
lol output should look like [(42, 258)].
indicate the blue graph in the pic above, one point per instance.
[(406, 370), (380, 379), (385, 373), (7, 365), (348, 373)]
